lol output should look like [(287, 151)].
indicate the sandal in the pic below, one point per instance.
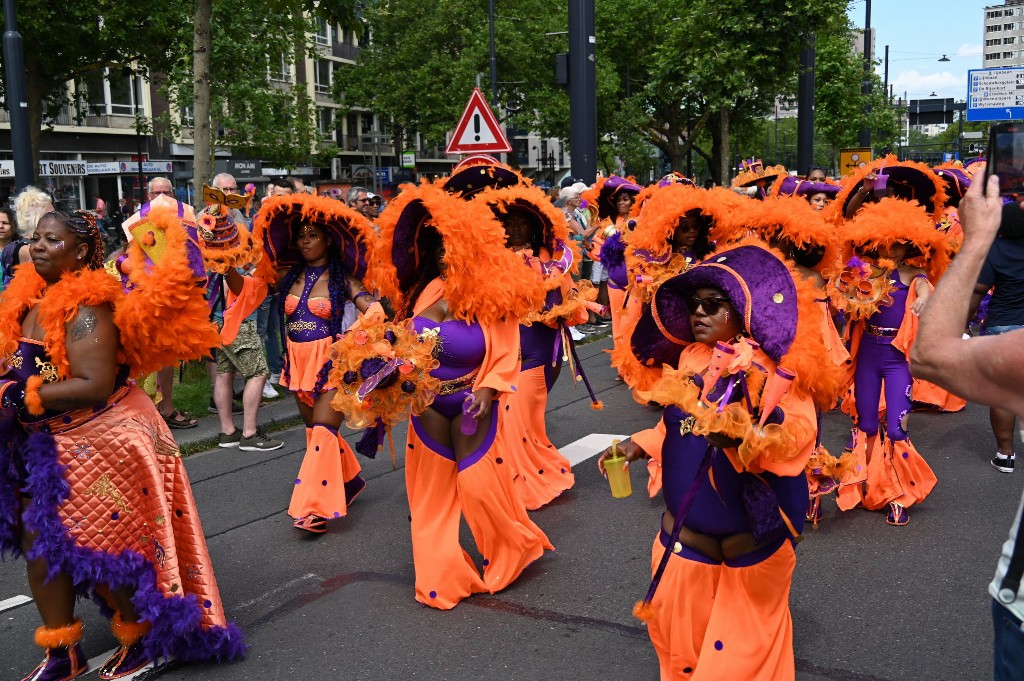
[(311, 523), (180, 420), (897, 515)]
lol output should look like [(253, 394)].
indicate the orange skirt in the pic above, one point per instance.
[(113, 508), (540, 471), (479, 488), (305, 360), (720, 623)]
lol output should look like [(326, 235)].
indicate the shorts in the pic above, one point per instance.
[(998, 330), (246, 354), (598, 273)]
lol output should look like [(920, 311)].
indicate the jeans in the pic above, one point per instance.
[(1008, 649), (269, 329), (997, 330)]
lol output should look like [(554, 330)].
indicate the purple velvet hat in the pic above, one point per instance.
[(676, 177), (284, 216), (957, 182), (479, 172), (792, 184), (606, 197), (757, 283)]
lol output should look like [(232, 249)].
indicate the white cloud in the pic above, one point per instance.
[(968, 50), (918, 85)]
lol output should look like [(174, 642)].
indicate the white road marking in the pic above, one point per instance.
[(588, 447), (14, 602)]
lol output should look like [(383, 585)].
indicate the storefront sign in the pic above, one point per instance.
[(61, 168), (244, 169), (106, 168), (6, 168), (148, 167)]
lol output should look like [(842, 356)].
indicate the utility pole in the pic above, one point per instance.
[(582, 90), (17, 106), (805, 107), (494, 56), (865, 133)]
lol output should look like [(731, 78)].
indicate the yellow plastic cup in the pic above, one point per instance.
[(618, 473)]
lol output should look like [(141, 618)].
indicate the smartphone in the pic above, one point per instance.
[(1006, 156)]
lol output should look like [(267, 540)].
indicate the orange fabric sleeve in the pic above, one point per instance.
[(500, 370), (908, 329), (651, 440), (238, 307)]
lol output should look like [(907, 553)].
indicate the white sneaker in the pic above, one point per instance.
[(275, 379), (576, 335), (269, 393)]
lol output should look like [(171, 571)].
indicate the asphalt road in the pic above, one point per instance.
[(869, 601)]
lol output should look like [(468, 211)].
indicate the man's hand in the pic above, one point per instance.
[(981, 210)]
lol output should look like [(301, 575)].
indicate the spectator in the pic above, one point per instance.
[(300, 185), (373, 204), (358, 199), (30, 205), (1003, 271), (282, 187), (8, 228), (984, 369)]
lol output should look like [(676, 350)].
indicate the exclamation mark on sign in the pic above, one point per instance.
[(476, 126)]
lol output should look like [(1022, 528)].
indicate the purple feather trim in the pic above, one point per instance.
[(613, 251), (321, 377), (176, 629)]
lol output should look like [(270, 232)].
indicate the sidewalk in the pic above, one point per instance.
[(276, 415)]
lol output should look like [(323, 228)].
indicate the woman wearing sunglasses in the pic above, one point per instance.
[(734, 338)]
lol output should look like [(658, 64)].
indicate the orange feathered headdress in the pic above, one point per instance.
[(549, 223), (478, 284), (908, 180), (892, 221), (282, 217), (783, 217), (660, 215)]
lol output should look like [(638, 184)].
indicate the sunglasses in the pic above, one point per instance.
[(711, 304)]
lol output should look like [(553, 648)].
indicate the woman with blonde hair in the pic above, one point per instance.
[(30, 205)]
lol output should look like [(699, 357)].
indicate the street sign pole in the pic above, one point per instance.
[(805, 108), (17, 106)]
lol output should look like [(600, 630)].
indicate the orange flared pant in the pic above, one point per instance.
[(540, 471), (720, 623), (441, 491), (320, 485), (889, 471)]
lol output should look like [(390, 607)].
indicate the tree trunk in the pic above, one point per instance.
[(723, 146), (202, 134)]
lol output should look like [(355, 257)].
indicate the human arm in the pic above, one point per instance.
[(986, 369), (923, 290), (979, 293), (860, 196), (361, 298), (92, 342), (234, 280)]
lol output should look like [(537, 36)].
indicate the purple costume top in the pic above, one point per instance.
[(890, 316), (730, 506), (305, 322), (461, 353)]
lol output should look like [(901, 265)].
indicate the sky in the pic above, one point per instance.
[(918, 33)]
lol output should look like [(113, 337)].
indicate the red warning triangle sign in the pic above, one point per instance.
[(478, 130)]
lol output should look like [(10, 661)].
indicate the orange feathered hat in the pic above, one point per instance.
[(477, 282), (549, 223), (281, 218), (788, 217), (909, 180), (893, 221), (659, 217)]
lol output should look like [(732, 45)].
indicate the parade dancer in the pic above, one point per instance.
[(893, 253), (443, 264), (734, 440), (320, 246), (93, 490)]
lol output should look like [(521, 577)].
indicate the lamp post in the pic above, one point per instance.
[(17, 106), (129, 73)]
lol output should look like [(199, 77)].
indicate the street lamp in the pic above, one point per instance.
[(129, 72), (944, 58)]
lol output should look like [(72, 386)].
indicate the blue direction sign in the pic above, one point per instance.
[(384, 175), (995, 94)]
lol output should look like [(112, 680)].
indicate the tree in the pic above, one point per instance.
[(839, 111), (73, 41)]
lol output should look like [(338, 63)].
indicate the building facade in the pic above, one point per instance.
[(1003, 37)]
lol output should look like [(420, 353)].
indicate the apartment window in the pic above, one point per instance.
[(323, 33), (1009, 41), (280, 70), (367, 120), (322, 75), (351, 128), (993, 29), (992, 55), (1009, 55), (991, 42), (188, 118), (1009, 27), (325, 122), (993, 15), (114, 92)]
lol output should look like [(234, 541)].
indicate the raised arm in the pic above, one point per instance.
[(987, 369)]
